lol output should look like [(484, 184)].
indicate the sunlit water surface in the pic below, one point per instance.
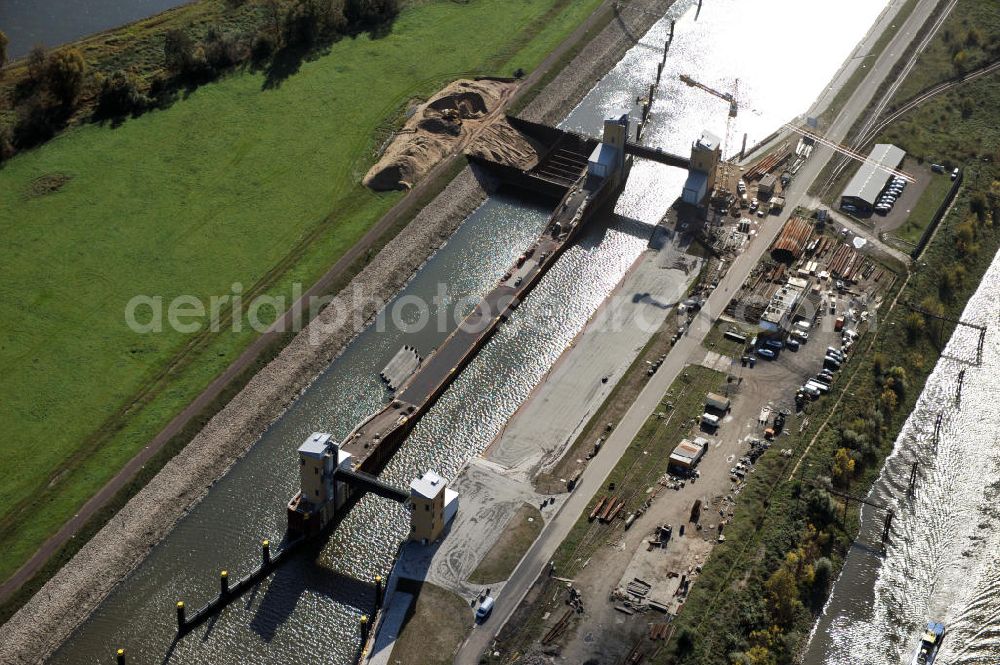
[(307, 612)]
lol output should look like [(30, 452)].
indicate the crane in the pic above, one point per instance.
[(727, 96), (733, 110)]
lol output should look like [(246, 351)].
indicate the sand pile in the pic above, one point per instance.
[(439, 127), (499, 142)]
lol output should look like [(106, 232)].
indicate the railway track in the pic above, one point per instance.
[(927, 95), (867, 129)]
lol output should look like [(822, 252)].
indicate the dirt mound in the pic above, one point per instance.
[(468, 104), (444, 124), (47, 184), (501, 143), (440, 126)]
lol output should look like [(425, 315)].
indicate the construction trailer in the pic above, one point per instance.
[(716, 402), (688, 453)]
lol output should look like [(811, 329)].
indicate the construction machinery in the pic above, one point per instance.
[(722, 192)]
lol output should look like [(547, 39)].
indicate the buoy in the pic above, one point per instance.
[(265, 548), (181, 620), (120, 654), (378, 592), (224, 582)]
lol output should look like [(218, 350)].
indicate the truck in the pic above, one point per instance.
[(717, 402)]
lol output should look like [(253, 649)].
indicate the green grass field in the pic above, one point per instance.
[(518, 535), (971, 29), (235, 184), (924, 210)]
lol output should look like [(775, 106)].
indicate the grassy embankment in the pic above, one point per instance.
[(235, 184), (639, 468), (518, 535), (922, 213), (434, 628), (762, 588)]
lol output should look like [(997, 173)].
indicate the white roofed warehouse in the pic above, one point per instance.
[(867, 184)]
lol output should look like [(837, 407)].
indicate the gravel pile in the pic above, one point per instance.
[(35, 631)]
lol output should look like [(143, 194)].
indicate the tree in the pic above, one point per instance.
[(843, 465), (685, 642), (36, 63), (888, 400), (178, 51), (959, 61), (823, 576), (897, 380), (821, 506), (120, 96), (914, 326), (64, 75), (783, 596), (3, 49)]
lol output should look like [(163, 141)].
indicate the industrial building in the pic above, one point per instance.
[(433, 505), (778, 314), (705, 155), (864, 188), (687, 453)]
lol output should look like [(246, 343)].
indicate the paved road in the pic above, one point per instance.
[(685, 350)]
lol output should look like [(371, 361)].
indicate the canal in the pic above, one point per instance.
[(941, 562), (307, 612), (55, 22)]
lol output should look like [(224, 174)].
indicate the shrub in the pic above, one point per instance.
[(64, 75), (178, 51), (120, 96), (37, 122), (3, 50)]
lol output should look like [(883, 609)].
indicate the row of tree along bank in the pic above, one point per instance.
[(47, 91), (763, 588)]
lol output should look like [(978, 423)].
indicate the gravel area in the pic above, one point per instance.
[(39, 627)]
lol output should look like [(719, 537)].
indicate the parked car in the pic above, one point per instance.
[(954, 173), (485, 609), (810, 390), (937, 168), (830, 351), (831, 363), (822, 380), (801, 335), (812, 383), (883, 208), (775, 344), (847, 207), (767, 353), (792, 345)]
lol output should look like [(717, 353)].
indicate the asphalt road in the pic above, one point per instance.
[(688, 346)]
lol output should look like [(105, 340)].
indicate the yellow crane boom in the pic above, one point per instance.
[(727, 96)]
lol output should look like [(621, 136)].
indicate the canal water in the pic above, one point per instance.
[(55, 22), (941, 563), (307, 612)]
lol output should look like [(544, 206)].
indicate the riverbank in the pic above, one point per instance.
[(73, 593), (790, 525)]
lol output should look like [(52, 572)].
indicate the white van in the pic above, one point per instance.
[(485, 609), (710, 420)]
